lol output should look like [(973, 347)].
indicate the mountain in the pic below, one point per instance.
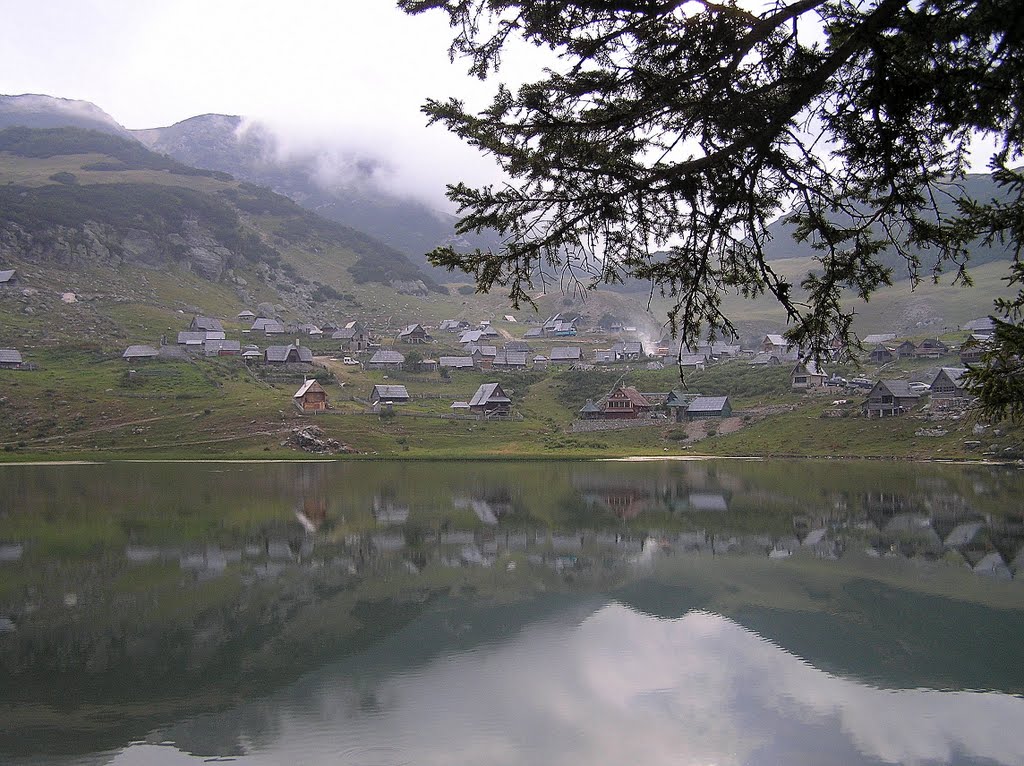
[(39, 111), (251, 151), (94, 213)]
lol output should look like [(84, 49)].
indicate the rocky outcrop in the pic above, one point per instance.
[(312, 439)]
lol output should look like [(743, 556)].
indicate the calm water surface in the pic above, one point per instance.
[(531, 613)]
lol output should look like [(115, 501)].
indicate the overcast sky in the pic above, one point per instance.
[(350, 72)]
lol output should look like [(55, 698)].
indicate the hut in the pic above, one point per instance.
[(310, 397)]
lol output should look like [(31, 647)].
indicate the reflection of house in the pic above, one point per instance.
[(310, 397), (626, 402), (889, 398), (385, 394), (489, 399), (709, 407)]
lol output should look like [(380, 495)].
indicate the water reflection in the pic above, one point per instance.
[(257, 610)]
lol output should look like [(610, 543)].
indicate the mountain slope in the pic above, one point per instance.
[(352, 197), (39, 111)]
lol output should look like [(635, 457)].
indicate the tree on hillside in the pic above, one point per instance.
[(669, 135)]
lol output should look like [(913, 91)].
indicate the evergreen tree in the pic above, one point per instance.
[(669, 135)]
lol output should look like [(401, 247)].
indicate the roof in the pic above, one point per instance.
[(470, 336), (534, 332), (899, 388), (489, 393), (460, 406), (6, 275), (456, 361), (954, 374), (267, 325), (280, 353), (517, 345), (192, 337), (387, 356), (708, 404), (572, 353), (409, 330), (691, 360), (10, 356), (384, 391), (310, 329), (132, 352), (510, 358), (634, 396), (309, 385), (882, 337), (632, 347), (776, 340), (245, 315), (809, 366), (590, 407), (252, 354), (207, 323), (345, 333), (217, 344)]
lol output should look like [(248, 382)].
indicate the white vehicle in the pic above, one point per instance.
[(349, 360), (919, 388)]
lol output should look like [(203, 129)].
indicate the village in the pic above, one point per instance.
[(462, 369)]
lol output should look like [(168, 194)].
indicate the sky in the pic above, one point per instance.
[(350, 73)]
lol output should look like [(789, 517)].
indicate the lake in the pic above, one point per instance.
[(378, 613)]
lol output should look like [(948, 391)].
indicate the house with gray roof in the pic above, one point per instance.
[(192, 338), (389, 394), (267, 326), (709, 407), (207, 324), (10, 358), (139, 352), (890, 398), (874, 340), (509, 360), (456, 362), (490, 400), (414, 333), (807, 376), (215, 347), (8, 277), (386, 359), (245, 316), (290, 354), (949, 383), (565, 355)]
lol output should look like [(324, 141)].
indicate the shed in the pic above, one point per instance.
[(709, 407), (389, 394), (310, 397)]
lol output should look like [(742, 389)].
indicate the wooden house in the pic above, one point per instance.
[(206, 324), (292, 354), (354, 336), (931, 348), (310, 397), (10, 359), (245, 316), (267, 326), (590, 411), (565, 355), (709, 407), (906, 350), (889, 398), (139, 353), (415, 334), (880, 354), (676, 403), (386, 359), (456, 362), (509, 360), (631, 351), (490, 400), (213, 347), (625, 402), (973, 349), (389, 394), (949, 383), (807, 376)]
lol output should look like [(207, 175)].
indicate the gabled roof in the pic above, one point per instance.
[(874, 340), (309, 385), (269, 326), (310, 329), (489, 393), (387, 356), (630, 347), (898, 388), (634, 396), (953, 373), (410, 329), (10, 356), (471, 336), (565, 353), (245, 315), (192, 337), (345, 333), (707, 404), (456, 361), (534, 332), (691, 360), (384, 391), (6, 275), (810, 367), (280, 353), (207, 323), (510, 358), (589, 408), (776, 340), (215, 345), (132, 352)]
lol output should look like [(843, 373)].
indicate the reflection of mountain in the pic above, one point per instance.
[(604, 686)]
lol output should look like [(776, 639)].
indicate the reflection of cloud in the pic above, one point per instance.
[(622, 687)]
